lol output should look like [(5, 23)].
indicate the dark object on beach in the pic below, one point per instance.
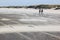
[(40, 11), (57, 8)]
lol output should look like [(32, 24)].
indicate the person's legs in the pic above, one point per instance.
[(41, 13)]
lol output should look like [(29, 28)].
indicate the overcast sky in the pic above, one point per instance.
[(27, 2)]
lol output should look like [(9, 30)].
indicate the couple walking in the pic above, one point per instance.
[(40, 11)]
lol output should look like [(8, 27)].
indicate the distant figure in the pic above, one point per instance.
[(40, 11)]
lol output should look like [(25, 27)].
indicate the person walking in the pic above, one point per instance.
[(40, 11)]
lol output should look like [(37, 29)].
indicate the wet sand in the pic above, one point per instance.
[(26, 24)]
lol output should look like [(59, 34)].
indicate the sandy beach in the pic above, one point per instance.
[(30, 17), (26, 10), (26, 23)]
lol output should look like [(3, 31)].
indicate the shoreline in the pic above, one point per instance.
[(28, 10)]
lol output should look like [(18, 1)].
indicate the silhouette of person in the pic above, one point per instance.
[(40, 11)]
